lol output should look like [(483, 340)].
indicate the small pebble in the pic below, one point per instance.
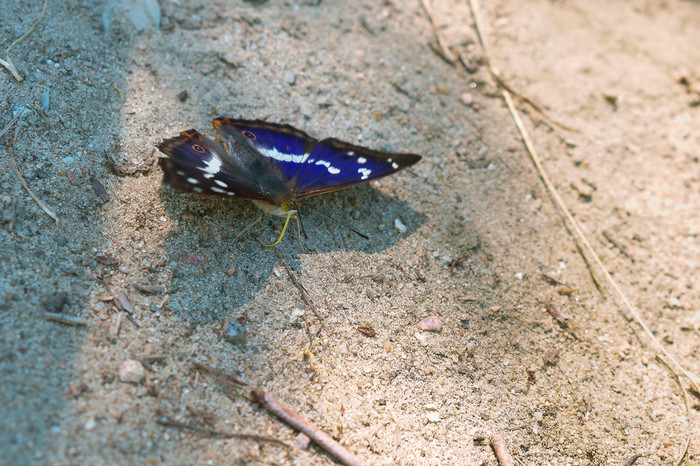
[(306, 110), (470, 348), (55, 302), (18, 108), (68, 159), (280, 286), (430, 324), (72, 179), (182, 96), (466, 98), (302, 441), (45, 100), (297, 315), (433, 416), (398, 224), (230, 271), (290, 77), (132, 371), (234, 332), (538, 416)]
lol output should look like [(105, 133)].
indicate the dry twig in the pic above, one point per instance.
[(167, 422), (501, 450), (633, 459), (445, 53), (286, 414), (687, 409), (293, 419), (302, 290), (65, 319)]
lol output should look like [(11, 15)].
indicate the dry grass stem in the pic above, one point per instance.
[(10, 143), (7, 63)]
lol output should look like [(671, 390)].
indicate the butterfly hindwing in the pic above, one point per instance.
[(196, 164)]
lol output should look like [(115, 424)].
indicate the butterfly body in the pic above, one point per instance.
[(273, 165)]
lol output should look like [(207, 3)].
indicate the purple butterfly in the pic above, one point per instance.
[(273, 165)]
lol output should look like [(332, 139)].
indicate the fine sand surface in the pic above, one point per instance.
[(152, 274)]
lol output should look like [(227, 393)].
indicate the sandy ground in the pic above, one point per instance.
[(481, 231)]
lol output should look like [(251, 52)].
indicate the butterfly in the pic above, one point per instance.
[(273, 165)]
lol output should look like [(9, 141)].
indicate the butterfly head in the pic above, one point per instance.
[(283, 209)]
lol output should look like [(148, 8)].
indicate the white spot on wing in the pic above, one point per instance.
[(394, 165), (282, 157), (218, 190), (331, 169), (365, 172), (230, 193), (208, 176), (351, 153), (197, 189), (213, 165), (180, 173), (361, 160), (221, 183), (192, 181)]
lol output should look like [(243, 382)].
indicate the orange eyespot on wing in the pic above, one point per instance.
[(250, 135), (198, 148)]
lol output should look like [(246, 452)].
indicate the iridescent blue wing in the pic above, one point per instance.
[(334, 165), (311, 167), (197, 164)]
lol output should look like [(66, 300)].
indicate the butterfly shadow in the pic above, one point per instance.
[(212, 264)]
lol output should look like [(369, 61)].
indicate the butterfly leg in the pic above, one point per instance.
[(300, 228), (284, 229), (245, 230)]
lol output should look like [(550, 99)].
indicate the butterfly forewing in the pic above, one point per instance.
[(286, 147), (196, 164), (334, 165)]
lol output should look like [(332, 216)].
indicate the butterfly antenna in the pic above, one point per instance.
[(340, 222), (284, 229)]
